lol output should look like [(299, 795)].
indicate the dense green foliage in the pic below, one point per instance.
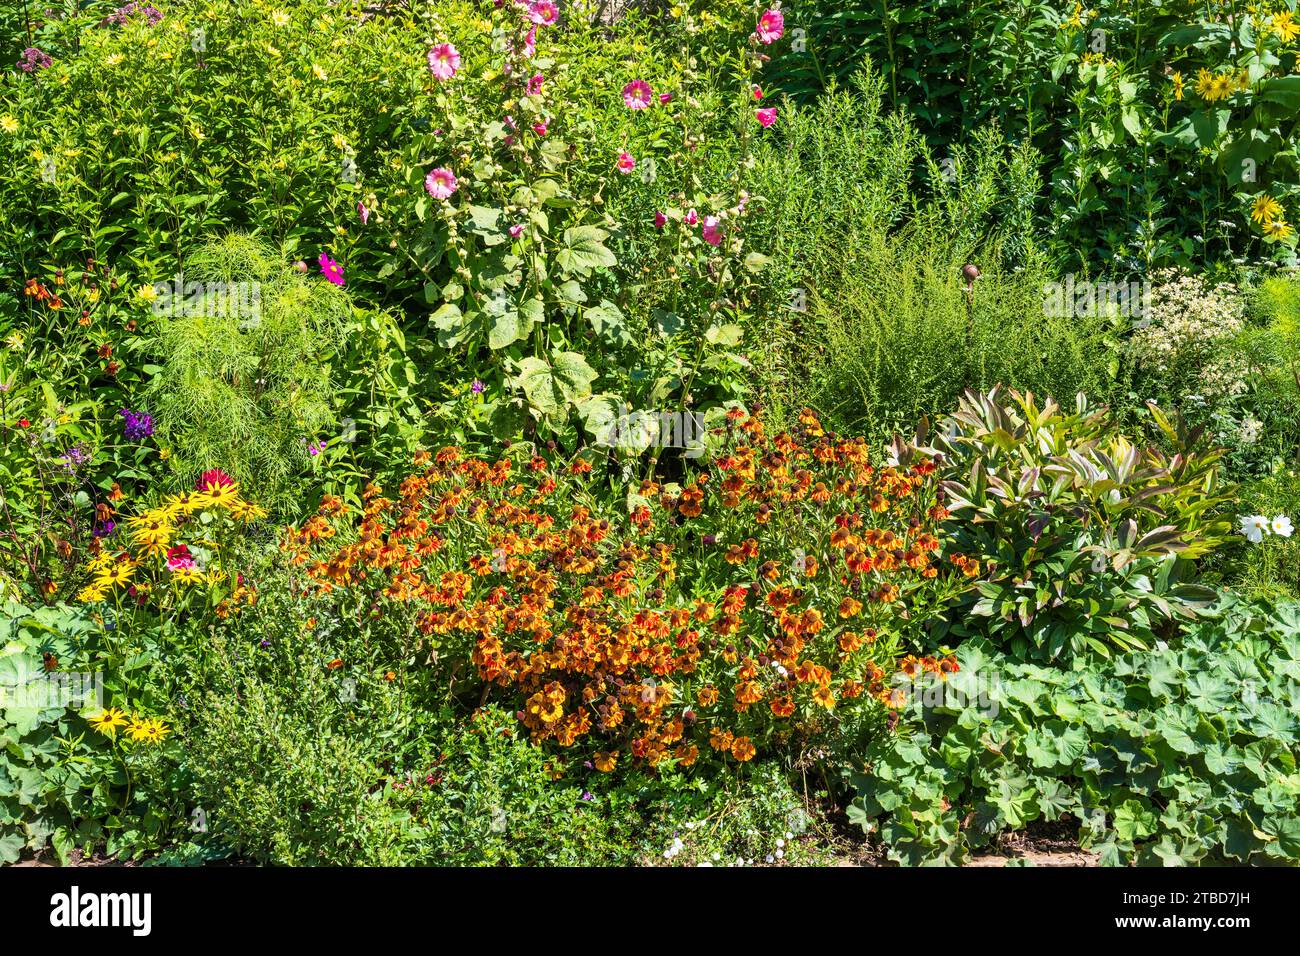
[(434, 425), (1173, 756)]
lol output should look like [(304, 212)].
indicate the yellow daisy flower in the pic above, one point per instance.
[(149, 730), (1265, 209), (1283, 24), (218, 496), (1277, 229), (187, 575), (246, 510), (108, 721)]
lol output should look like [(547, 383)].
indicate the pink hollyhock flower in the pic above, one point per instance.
[(626, 163), (771, 25), (331, 269), (440, 183), (179, 557), (710, 231), (510, 122), (660, 220), (758, 92), (516, 230), (543, 12), (535, 85), (692, 217), (530, 44), (363, 212), (539, 129), (444, 61), (637, 95), (665, 97), (765, 117)]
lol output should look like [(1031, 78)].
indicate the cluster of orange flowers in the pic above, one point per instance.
[(767, 592), (41, 293)]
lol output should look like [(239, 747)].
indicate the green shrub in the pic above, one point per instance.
[(286, 763), (246, 388), (870, 320), (1160, 123), (63, 785), (1081, 539), (1180, 755)]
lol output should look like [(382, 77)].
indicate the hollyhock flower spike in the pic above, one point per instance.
[(637, 95), (711, 231), (440, 183), (543, 12), (771, 26), (444, 61)]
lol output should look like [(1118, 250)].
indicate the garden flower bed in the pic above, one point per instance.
[(530, 433)]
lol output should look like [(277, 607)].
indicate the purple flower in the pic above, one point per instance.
[(75, 457), (478, 387), (34, 59), (587, 796), (138, 425), (315, 448), (104, 529), (119, 16)]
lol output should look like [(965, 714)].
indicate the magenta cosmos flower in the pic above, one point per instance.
[(771, 25), (444, 61), (711, 232), (440, 183), (331, 270), (626, 163), (543, 12), (766, 117), (638, 95)]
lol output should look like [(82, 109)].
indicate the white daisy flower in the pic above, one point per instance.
[(1254, 527)]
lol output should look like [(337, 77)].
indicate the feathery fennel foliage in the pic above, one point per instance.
[(248, 393)]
